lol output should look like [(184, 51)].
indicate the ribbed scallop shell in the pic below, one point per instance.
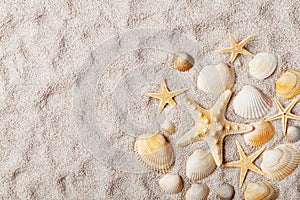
[(251, 103), (154, 152), (200, 165), (225, 191), (293, 134), (197, 192), (171, 183), (216, 78), (168, 127), (262, 133), (262, 65), (183, 62), (288, 84), (261, 190), (280, 162)]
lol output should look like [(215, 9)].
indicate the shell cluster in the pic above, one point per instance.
[(197, 192), (225, 191), (262, 133), (171, 183), (183, 62), (263, 65), (288, 84), (261, 190)]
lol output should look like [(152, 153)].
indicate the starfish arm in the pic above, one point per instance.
[(240, 150), (226, 50), (233, 56), (171, 102), (277, 116), (292, 116), (216, 148), (232, 128), (255, 155), (254, 168), (291, 106), (162, 104), (280, 107), (221, 104), (284, 124), (190, 137), (243, 174), (154, 95), (177, 92), (164, 85), (195, 109), (245, 52), (232, 40), (245, 41), (232, 164)]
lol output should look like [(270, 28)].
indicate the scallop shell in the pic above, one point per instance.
[(293, 134), (183, 62), (154, 152), (261, 190), (280, 162), (168, 127), (251, 103), (171, 183), (262, 133), (225, 191), (197, 192), (200, 165), (262, 65), (288, 85), (216, 78)]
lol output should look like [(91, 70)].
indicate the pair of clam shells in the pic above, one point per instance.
[(171, 183), (197, 192), (263, 65), (288, 84), (261, 190)]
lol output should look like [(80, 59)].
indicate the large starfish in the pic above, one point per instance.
[(284, 114), (166, 96), (245, 162), (211, 126), (236, 48)]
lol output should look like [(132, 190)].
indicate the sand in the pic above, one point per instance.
[(72, 78)]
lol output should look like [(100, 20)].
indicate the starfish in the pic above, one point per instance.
[(211, 126), (237, 48), (166, 96), (284, 114), (245, 162)]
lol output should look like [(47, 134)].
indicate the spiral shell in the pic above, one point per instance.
[(288, 85), (293, 134), (168, 127), (262, 65), (183, 62), (171, 183), (225, 191), (262, 133), (261, 190), (197, 192)]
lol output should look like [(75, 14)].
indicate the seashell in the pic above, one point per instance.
[(293, 134), (225, 191), (262, 65), (200, 165), (251, 103), (261, 190), (216, 78), (197, 192), (171, 183), (154, 152), (262, 133), (280, 162), (183, 62), (288, 84), (168, 127)]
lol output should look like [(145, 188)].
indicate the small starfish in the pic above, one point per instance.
[(211, 126), (245, 162), (166, 97), (237, 48), (284, 114)]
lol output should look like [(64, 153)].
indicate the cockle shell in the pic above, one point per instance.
[(169, 127), (262, 65), (288, 84), (216, 78), (197, 192), (251, 103), (154, 152), (293, 134), (171, 183), (262, 133), (200, 165), (261, 190), (183, 62), (225, 191), (280, 162)]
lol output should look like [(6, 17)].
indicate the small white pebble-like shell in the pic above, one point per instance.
[(293, 134), (197, 192), (169, 127), (183, 62), (225, 191), (262, 65), (261, 190), (171, 183), (262, 133)]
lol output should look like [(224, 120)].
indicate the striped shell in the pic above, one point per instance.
[(225, 191), (261, 190), (197, 192), (262, 65), (251, 103), (293, 134), (288, 85), (171, 183), (183, 62), (262, 133), (154, 152), (168, 127)]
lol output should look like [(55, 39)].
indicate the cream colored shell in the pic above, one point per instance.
[(293, 134), (261, 190), (225, 191), (288, 84), (262, 133), (183, 62), (171, 183), (262, 65), (168, 127), (197, 192)]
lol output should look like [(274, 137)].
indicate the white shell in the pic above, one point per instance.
[(200, 165), (225, 191), (216, 78), (262, 133), (168, 127), (197, 192), (261, 190), (262, 65), (171, 183), (293, 134), (251, 103)]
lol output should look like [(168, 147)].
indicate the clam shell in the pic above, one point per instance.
[(197, 192), (183, 62), (171, 183), (225, 191), (216, 78), (262, 133), (251, 103), (200, 165), (288, 84), (293, 134), (262, 65), (261, 190), (154, 152), (168, 127), (280, 162)]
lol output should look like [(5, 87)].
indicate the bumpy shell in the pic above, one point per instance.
[(280, 162), (262, 133), (293, 134), (200, 165), (183, 62), (262, 65), (197, 192), (171, 183), (154, 152), (216, 78), (261, 190), (251, 103), (288, 85), (225, 191), (168, 127)]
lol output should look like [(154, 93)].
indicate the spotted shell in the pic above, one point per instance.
[(280, 162), (197, 192), (262, 133), (225, 191), (261, 190), (288, 84), (262, 65), (168, 127), (171, 183), (154, 152), (293, 134), (183, 62)]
